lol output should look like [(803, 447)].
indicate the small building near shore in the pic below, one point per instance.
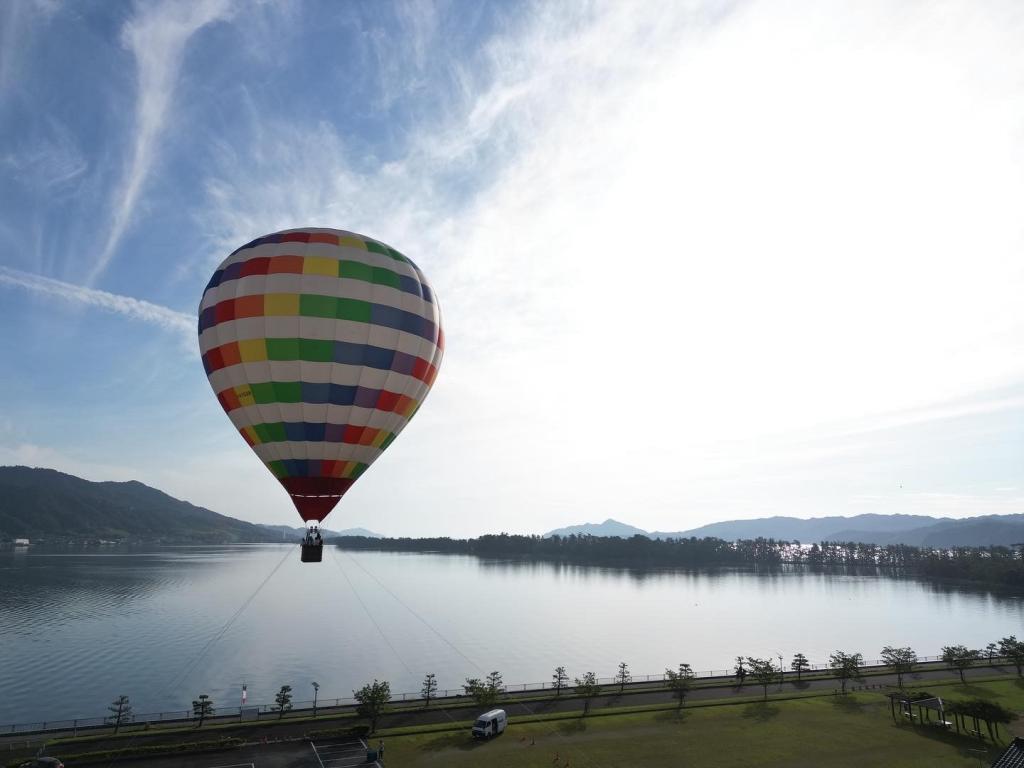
[(21, 542)]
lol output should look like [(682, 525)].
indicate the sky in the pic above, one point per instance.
[(697, 261)]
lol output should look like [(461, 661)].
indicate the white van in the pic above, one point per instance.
[(490, 724)]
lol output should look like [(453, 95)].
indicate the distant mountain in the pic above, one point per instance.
[(608, 528), (288, 533), (814, 529), (918, 530), (976, 532), (53, 506), (365, 532)]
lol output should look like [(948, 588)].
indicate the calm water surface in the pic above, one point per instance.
[(78, 629)]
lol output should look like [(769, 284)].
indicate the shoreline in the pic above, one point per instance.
[(263, 713)]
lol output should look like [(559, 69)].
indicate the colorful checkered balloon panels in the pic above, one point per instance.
[(320, 345)]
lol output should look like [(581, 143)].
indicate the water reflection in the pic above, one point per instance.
[(79, 628)]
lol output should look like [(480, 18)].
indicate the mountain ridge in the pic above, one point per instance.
[(609, 527), (40, 503), (916, 530), (290, 532), (56, 506)]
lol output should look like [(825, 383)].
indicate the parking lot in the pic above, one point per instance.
[(292, 754), (341, 754)]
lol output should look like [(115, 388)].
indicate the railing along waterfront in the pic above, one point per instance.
[(324, 704)]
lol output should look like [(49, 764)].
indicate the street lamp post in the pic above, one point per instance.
[(316, 691)]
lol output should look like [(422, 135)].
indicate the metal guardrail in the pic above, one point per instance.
[(301, 708)]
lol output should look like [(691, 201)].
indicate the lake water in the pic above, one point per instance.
[(78, 629)]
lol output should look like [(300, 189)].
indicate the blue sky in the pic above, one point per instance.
[(697, 261)]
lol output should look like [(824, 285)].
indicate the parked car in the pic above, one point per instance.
[(42, 762), (490, 724)]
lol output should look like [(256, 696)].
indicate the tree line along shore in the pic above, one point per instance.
[(375, 698), (996, 565)]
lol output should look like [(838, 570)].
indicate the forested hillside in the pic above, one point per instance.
[(50, 505)]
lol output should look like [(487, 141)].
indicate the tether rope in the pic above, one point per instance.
[(543, 724), (423, 621), (398, 656), (180, 678), (370, 615)]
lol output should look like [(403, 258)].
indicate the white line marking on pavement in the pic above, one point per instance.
[(346, 754), (317, 754), (366, 746)]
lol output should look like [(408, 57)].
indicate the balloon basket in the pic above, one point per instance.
[(312, 553)]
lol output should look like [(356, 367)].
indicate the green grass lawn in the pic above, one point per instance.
[(856, 731)]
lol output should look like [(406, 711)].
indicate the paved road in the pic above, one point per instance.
[(637, 696), (719, 683)]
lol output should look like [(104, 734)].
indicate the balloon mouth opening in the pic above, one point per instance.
[(315, 497)]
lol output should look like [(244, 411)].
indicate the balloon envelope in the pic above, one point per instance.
[(320, 345)]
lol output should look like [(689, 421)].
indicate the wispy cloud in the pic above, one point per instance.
[(136, 309), (156, 37), (50, 162), (647, 216), (17, 18), (684, 252)]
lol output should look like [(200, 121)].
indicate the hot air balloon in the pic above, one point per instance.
[(320, 345)]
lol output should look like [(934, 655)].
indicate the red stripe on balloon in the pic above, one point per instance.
[(315, 497)]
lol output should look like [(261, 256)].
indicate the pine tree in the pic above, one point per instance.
[(429, 689), (485, 692), (121, 712), (740, 670), (799, 665), (680, 682), (559, 680), (588, 688), (283, 701), (202, 708), (623, 677)]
